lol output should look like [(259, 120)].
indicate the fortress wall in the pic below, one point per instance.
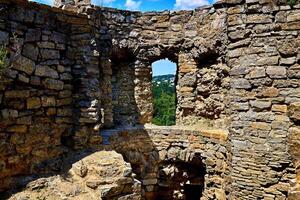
[(238, 72), (263, 54), (166, 159), (48, 88), (194, 40)]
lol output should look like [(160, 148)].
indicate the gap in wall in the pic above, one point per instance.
[(164, 74)]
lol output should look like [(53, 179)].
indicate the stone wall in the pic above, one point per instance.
[(50, 93), (78, 67), (196, 46), (263, 55), (167, 160)]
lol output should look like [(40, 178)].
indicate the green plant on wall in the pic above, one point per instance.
[(292, 2), (3, 60)]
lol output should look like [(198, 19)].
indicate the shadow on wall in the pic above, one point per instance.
[(166, 172), (125, 111)]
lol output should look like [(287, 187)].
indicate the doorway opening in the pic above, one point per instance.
[(181, 180), (164, 92)]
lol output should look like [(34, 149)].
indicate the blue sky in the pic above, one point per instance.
[(146, 5), (163, 66)]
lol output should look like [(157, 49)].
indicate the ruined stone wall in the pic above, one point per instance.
[(237, 72), (167, 159), (49, 96), (263, 54), (194, 40)]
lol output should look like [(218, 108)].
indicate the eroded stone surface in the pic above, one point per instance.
[(101, 175)]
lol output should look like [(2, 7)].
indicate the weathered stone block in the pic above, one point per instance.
[(17, 128), (269, 92), (33, 35), (258, 19), (17, 94), (30, 51), (258, 72), (279, 108), (287, 47), (33, 103), (64, 112), (53, 84), (9, 114), (276, 72), (294, 111), (51, 111), (46, 71), (23, 64), (260, 105), (261, 126), (293, 16), (240, 83), (49, 54), (48, 101)]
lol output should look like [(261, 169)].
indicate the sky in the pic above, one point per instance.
[(146, 5), (161, 67)]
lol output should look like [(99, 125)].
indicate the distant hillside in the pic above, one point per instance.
[(164, 100), (164, 78)]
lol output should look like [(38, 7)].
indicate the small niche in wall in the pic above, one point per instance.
[(164, 92), (124, 107)]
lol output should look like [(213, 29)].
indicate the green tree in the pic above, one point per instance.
[(164, 102)]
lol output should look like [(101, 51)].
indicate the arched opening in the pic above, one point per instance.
[(164, 92), (181, 180)]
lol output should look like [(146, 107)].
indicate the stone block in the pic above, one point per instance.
[(260, 105), (261, 126), (17, 128), (258, 19), (23, 64), (64, 112), (33, 35), (276, 72), (287, 47), (294, 111), (293, 16), (215, 133), (33, 103), (9, 114), (53, 84), (30, 51), (279, 108), (48, 101), (23, 78), (17, 94), (257, 72), (45, 71), (27, 120), (51, 111), (49, 54), (240, 83), (269, 92)]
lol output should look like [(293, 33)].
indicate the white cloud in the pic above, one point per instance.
[(132, 5), (190, 4)]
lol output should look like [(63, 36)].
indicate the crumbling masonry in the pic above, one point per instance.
[(80, 77)]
